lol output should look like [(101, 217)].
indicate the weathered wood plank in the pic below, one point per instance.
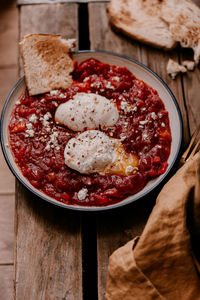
[(48, 250), (6, 282), (117, 227), (52, 19), (48, 260), (23, 2), (191, 83), (6, 228), (8, 34)]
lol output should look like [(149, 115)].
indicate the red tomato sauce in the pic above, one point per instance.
[(38, 143)]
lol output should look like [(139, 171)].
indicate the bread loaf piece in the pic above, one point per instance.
[(161, 23), (183, 19), (140, 19), (47, 64)]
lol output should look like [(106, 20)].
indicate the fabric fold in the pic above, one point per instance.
[(162, 264)]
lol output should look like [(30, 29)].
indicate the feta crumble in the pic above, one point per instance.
[(33, 118), (129, 169), (53, 142), (82, 194), (153, 115), (54, 93), (125, 107), (143, 122), (29, 131)]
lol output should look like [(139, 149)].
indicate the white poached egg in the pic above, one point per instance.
[(93, 151), (87, 110)]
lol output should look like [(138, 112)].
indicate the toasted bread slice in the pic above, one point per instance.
[(183, 18), (140, 19), (47, 64)]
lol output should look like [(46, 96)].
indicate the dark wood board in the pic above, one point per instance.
[(48, 247), (117, 227)]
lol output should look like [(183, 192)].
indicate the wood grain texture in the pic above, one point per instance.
[(48, 250), (24, 2), (191, 83), (6, 228), (115, 228), (6, 282), (52, 19), (8, 34), (48, 257)]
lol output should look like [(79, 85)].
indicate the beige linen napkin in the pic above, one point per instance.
[(161, 263)]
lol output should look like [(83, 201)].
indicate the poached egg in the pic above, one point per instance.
[(93, 151), (87, 110)]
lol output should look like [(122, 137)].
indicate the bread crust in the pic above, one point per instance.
[(47, 63), (159, 23), (141, 20), (183, 19)]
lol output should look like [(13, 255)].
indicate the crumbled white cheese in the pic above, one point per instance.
[(54, 93), (63, 96), (53, 142), (163, 124), (135, 108), (86, 79), (53, 138), (125, 107), (48, 147), (129, 169), (55, 103), (42, 100), (17, 102), (116, 78), (29, 131), (82, 194), (153, 115), (45, 120), (33, 118), (29, 126), (109, 86), (47, 116), (143, 122), (96, 84), (121, 97), (145, 136), (122, 137)]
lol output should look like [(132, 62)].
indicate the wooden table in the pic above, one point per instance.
[(61, 254)]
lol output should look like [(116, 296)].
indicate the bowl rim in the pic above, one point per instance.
[(122, 202)]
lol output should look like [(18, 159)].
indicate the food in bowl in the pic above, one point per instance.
[(95, 143)]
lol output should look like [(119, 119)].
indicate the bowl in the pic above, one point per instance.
[(141, 72)]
